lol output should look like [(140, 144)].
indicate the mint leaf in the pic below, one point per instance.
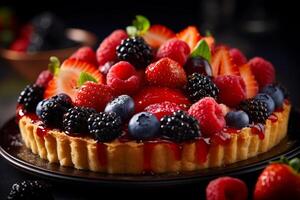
[(54, 65), (84, 77), (131, 31), (202, 50), (141, 23)]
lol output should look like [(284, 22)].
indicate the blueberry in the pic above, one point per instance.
[(123, 106), (143, 126), (268, 100), (276, 93), (39, 107), (237, 119)]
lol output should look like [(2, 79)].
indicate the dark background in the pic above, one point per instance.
[(266, 28)]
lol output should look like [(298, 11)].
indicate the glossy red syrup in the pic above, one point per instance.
[(221, 138), (273, 118), (202, 148), (258, 129), (230, 130), (20, 112), (102, 153), (279, 109), (42, 131)]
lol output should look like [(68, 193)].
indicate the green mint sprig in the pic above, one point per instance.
[(202, 50), (140, 25)]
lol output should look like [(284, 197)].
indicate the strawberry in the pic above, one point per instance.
[(66, 79), (167, 73), (249, 79), (106, 51), (157, 35), (279, 181), (190, 35), (93, 95), (222, 63), (19, 44), (263, 71), (174, 49), (86, 54), (152, 95), (237, 56), (162, 109), (44, 78), (210, 41)]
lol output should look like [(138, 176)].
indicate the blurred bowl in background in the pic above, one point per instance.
[(29, 65)]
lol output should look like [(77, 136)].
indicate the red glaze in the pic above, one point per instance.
[(42, 131), (102, 153), (20, 112), (279, 109), (202, 148), (221, 138), (258, 129), (273, 118), (231, 130)]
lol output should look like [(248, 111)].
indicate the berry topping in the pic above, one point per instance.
[(209, 115), (190, 35), (166, 73), (198, 65), (30, 189), (237, 119), (249, 79), (75, 120), (123, 78), (162, 109), (106, 52), (179, 127), (175, 49), (20, 44), (53, 109), (238, 57), (136, 51), (157, 35), (143, 126), (86, 54), (232, 89), (275, 93), (66, 79), (93, 95), (268, 100), (263, 71), (222, 63), (44, 78), (152, 95), (226, 188), (105, 127), (30, 97), (200, 86), (123, 106), (104, 69), (257, 110)]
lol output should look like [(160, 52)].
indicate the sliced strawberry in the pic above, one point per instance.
[(66, 80), (222, 63), (157, 35), (249, 79), (190, 35)]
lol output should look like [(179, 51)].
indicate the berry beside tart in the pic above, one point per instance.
[(152, 101)]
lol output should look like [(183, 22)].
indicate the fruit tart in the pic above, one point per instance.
[(152, 101)]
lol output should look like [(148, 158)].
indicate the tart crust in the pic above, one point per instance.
[(129, 157)]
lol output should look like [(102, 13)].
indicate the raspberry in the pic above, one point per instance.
[(226, 188), (237, 57), (232, 89), (263, 71), (93, 95), (44, 78), (20, 44), (175, 49), (107, 50), (209, 115), (123, 78), (86, 54), (162, 109), (167, 73)]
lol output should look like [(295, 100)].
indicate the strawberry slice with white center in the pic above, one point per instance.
[(66, 81), (190, 35), (157, 35), (250, 81), (222, 63)]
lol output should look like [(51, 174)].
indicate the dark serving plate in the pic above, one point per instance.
[(14, 151)]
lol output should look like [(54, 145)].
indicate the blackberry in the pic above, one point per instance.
[(200, 86), (75, 120), (64, 99), (53, 109), (30, 97), (30, 190), (180, 127), (105, 127), (136, 51), (257, 110)]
